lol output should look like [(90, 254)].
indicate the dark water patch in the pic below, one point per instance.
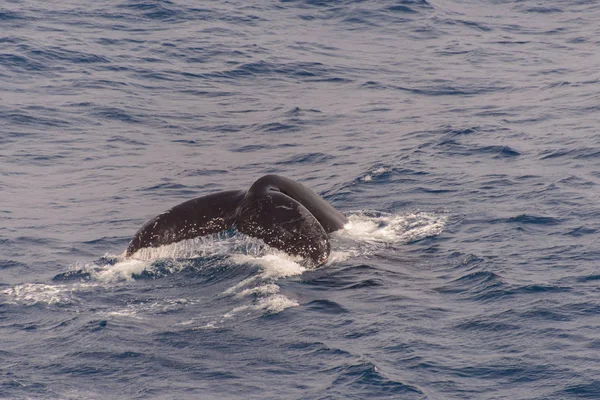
[(97, 84), (326, 307), (42, 160), (51, 54), (538, 288), (577, 182), (508, 370), (320, 3), (480, 286), (297, 112), (276, 127), (104, 243), (165, 11), (388, 170), (161, 187), (313, 158), (479, 26), (451, 132), (147, 76), (320, 350), (432, 190), (95, 325), (207, 93), (545, 314), (365, 378), (324, 279), (35, 241), (119, 41), (126, 140), (528, 219), (202, 172), (18, 63), (187, 142), (576, 154), (527, 177), (9, 16), (589, 390), (310, 71), (496, 184), (114, 113), (21, 118), (500, 151), (543, 10), (487, 325), (589, 278), (401, 8), (453, 90), (365, 284), (374, 85), (6, 264), (590, 308), (580, 231), (363, 332), (11, 39), (250, 148), (226, 128), (454, 148), (14, 388)]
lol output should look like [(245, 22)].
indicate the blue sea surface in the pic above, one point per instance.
[(461, 137)]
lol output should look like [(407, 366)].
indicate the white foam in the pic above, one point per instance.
[(376, 172), (124, 313), (264, 290), (223, 243), (122, 270), (339, 256), (277, 303), (392, 228), (274, 265), (33, 293), (362, 235), (245, 282), (139, 310), (272, 304)]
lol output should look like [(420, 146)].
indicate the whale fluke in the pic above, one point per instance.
[(283, 213)]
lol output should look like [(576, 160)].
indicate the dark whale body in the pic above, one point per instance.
[(285, 214)]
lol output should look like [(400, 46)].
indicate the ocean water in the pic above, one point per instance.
[(461, 137)]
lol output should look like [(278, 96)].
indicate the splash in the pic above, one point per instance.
[(216, 244), (375, 173), (274, 265), (34, 293), (392, 228), (271, 305), (122, 270), (262, 287)]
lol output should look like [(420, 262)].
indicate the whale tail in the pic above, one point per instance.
[(283, 213), (285, 224)]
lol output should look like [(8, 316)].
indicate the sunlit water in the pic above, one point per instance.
[(460, 138)]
